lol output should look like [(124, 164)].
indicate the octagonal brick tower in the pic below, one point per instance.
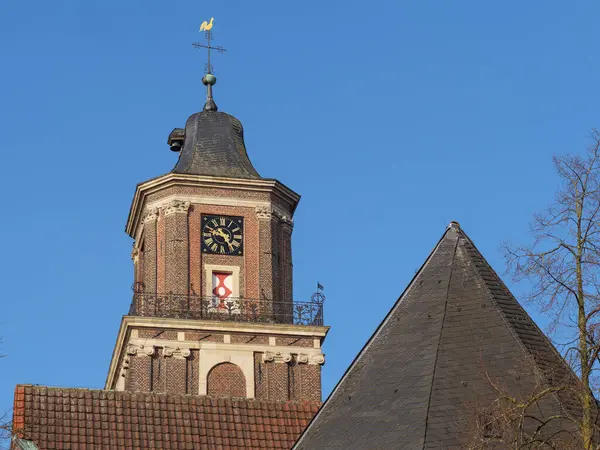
[(213, 310)]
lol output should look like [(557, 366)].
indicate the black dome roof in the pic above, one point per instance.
[(214, 145)]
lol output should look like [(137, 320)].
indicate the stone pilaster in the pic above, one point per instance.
[(177, 247), (265, 218), (150, 251), (286, 288)]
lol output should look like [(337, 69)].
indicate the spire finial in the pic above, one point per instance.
[(209, 79)]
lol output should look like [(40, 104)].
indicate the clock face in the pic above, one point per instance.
[(223, 235)]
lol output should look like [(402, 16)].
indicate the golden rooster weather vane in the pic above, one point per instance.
[(209, 79), (207, 26)]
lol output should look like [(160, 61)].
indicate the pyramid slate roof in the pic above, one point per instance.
[(413, 384)]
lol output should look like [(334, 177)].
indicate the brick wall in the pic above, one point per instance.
[(226, 380), (193, 365), (176, 253), (138, 375), (286, 381)]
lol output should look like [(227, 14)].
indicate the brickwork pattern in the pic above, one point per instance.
[(149, 237), (287, 264), (265, 259), (226, 380), (193, 366), (207, 192), (176, 375), (251, 339), (310, 381), (160, 254), (138, 375), (282, 381), (278, 381), (204, 337), (157, 333), (261, 385), (295, 341), (195, 257), (158, 373), (177, 253)]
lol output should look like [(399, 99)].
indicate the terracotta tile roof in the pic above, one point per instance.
[(66, 418)]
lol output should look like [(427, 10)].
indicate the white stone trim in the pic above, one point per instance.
[(210, 358), (285, 194), (225, 348), (127, 334), (176, 206)]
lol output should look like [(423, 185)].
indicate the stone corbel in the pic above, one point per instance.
[(268, 357), (287, 221), (277, 357), (135, 254), (167, 351), (264, 212), (147, 350), (132, 350), (302, 358), (318, 359), (176, 206), (185, 352), (150, 216)]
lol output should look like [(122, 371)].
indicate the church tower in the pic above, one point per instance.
[(213, 311)]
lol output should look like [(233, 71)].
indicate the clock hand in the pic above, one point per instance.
[(225, 237)]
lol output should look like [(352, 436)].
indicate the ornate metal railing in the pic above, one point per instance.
[(230, 309)]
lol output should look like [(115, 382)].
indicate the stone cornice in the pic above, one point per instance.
[(319, 332), (176, 206), (173, 179)]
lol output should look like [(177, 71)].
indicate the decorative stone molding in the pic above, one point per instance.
[(287, 221), (176, 206), (318, 359), (148, 350), (176, 352), (150, 216), (264, 212), (302, 358), (268, 357), (135, 254), (277, 357), (132, 350)]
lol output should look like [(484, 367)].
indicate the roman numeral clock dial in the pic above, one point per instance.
[(223, 235)]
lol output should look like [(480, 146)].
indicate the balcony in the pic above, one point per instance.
[(231, 309)]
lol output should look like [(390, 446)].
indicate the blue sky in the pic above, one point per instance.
[(390, 118)]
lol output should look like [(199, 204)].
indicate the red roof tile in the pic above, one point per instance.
[(66, 418)]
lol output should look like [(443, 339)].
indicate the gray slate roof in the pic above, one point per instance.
[(413, 383), (214, 145)]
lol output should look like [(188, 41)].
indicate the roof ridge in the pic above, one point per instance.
[(437, 349), (371, 339), (529, 352)]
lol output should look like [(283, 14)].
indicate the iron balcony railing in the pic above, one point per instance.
[(231, 309)]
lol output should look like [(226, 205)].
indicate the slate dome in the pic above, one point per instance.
[(213, 145)]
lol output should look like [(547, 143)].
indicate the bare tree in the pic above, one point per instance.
[(563, 267)]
